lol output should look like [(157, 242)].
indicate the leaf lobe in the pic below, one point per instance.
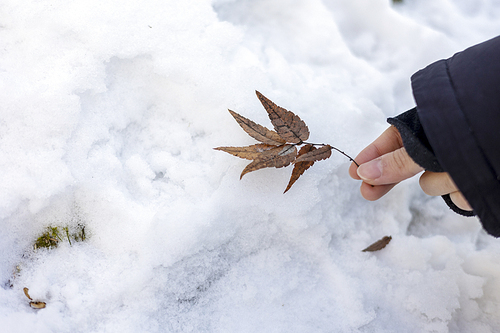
[(288, 125), (300, 167), (256, 131)]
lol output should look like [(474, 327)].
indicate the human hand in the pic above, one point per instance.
[(385, 162)]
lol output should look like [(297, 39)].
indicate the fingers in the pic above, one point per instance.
[(383, 164), (388, 141), (382, 174), (371, 193), (437, 183), (460, 201), (440, 183), (390, 168)]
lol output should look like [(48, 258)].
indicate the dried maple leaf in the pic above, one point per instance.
[(378, 245), (288, 125), (257, 131), (249, 152), (300, 167), (316, 155), (277, 157), (279, 148)]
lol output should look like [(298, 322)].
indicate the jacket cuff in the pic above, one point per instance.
[(455, 208), (419, 149), (415, 141)]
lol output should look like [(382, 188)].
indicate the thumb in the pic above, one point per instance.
[(390, 168)]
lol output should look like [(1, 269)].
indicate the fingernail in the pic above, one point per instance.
[(370, 170)]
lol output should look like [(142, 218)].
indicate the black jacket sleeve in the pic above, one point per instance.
[(458, 106)]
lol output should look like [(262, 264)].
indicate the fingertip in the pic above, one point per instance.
[(437, 183), (372, 193), (460, 201), (370, 171), (353, 171)]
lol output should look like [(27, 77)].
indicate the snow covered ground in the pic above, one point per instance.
[(109, 113)]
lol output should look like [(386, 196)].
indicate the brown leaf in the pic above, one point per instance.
[(277, 157), (316, 155), (300, 167), (26, 293), (378, 245), (288, 125), (38, 305), (249, 152), (34, 304), (257, 131)]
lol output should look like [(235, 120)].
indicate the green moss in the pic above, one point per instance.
[(53, 235)]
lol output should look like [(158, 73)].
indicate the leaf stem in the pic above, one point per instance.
[(340, 151), (349, 157)]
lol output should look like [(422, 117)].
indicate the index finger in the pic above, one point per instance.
[(388, 141)]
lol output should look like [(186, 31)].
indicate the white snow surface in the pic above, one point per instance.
[(109, 113)]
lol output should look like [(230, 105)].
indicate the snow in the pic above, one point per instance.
[(109, 113)]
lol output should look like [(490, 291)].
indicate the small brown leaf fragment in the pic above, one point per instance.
[(316, 155), (278, 157), (378, 245), (33, 304), (301, 167), (288, 125), (38, 305), (249, 152), (256, 131), (26, 293)]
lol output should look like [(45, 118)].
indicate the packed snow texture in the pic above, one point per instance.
[(109, 113)]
